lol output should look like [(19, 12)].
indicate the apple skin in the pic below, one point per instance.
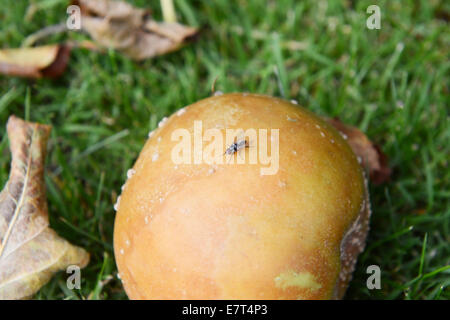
[(197, 231)]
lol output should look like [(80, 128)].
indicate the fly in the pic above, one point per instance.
[(236, 146)]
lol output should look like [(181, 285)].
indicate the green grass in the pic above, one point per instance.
[(392, 83)]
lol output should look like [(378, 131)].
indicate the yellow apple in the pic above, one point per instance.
[(198, 229)]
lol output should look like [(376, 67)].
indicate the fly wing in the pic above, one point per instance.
[(241, 144)]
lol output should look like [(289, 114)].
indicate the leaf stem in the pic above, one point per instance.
[(168, 11)]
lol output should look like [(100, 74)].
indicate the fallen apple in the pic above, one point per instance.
[(209, 214)]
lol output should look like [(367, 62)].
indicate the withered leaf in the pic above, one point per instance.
[(30, 252), (37, 62), (130, 30), (373, 159)]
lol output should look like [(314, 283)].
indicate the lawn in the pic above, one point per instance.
[(392, 83)]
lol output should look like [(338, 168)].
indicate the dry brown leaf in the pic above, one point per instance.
[(30, 252), (118, 25), (373, 159), (45, 61)]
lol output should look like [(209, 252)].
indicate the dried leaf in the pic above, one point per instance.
[(118, 25), (30, 252), (45, 61), (373, 159), (43, 33)]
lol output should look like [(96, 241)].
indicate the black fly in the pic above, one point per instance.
[(236, 146)]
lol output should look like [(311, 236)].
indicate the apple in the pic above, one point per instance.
[(211, 210)]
